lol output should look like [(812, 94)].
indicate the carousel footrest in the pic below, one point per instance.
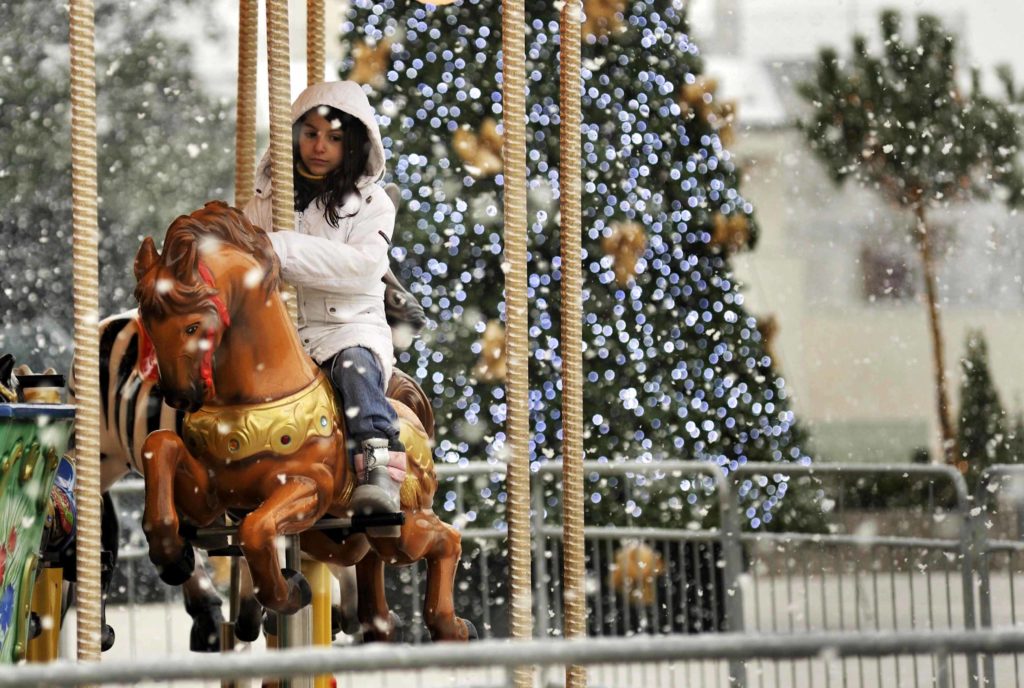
[(337, 529)]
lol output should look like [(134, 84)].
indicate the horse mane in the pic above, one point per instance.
[(188, 237)]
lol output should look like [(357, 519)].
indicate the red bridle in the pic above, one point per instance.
[(147, 354)]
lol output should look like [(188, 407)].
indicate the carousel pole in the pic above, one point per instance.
[(245, 180), (316, 572), (315, 52), (245, 109), (85, 264), (513, 43), (574, 572), (283, 218)]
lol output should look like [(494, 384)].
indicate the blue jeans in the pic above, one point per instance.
[(357, 377)]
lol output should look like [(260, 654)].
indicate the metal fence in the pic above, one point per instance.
[(877, 550)]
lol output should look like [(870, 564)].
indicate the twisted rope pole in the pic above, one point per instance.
[(280, 115), (569, 166), (245, 108), (315, 58), (281, 181), (85, 263), (513, 44)]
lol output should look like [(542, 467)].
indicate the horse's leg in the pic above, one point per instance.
[(347, 609), (374, 615), (339, 558), (291, 508), (203, 604), (174, 479), (425, 536), (250, 611)]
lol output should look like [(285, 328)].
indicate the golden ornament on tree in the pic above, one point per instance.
[(636, 569), (480, 152), (730, 234), (697, 100), (493, 364), (626, 243), (768, 326), (602, 17), (370, 63)]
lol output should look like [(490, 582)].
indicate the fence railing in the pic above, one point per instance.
[(942, 561)]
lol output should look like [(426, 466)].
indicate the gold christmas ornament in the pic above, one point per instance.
[(603, 17), (480, 152), (730, 234), (626, 243), (636, 569), (697, 100), (768, 326), (493, 363), (370, 63)]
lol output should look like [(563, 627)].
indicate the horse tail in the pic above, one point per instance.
[(404, 388)]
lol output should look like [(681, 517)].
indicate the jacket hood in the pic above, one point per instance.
[(347, 96)]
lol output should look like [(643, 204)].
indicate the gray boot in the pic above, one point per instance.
[(380, 472)]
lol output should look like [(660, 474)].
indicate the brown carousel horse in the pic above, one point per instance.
[(263, 434)]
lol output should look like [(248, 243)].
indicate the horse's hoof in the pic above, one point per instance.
[(471, 633), (269, 623), (299, 593), (177, 572), (250, 617), (205, 634), (107, 638), (380, 631)]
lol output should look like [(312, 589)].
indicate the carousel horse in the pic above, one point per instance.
[(263, 434), (132, 407)]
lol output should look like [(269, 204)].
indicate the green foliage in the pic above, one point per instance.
[(984, 434), (901, 120), (164, 149)]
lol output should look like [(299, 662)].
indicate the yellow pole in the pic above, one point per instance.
[(46, 599), (319, 578)]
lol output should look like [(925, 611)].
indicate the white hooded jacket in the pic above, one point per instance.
[(337, 271)]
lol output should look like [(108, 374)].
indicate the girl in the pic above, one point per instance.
[(335, 259)]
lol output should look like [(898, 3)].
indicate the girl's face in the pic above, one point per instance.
[(320, 144)]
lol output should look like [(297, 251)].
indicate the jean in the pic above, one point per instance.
[(356, 375)]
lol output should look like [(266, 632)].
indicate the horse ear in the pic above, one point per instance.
[(145, 258)]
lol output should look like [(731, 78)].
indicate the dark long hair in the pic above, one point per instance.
[(355, 143)]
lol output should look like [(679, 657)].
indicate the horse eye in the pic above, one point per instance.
[(191, 329)]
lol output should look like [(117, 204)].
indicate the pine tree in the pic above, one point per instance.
[(675, 366), (984, 432), (901, 122), (164, 149)]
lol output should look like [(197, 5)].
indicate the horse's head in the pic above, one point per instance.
[(183, 309)]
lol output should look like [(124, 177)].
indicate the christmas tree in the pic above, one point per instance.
[(984, 434), (675, 366), (901, 122)]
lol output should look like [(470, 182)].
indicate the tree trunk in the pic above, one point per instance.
[(946, 430)]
